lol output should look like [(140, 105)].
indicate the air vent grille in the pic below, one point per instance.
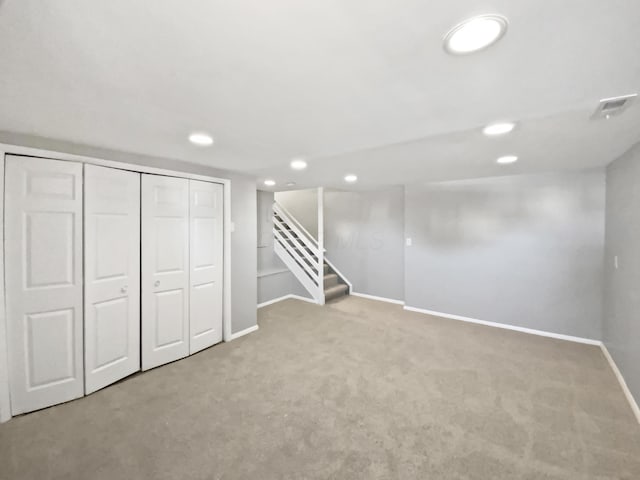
[(609, 107)]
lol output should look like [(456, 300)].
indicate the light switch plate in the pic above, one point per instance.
[(409, 242)]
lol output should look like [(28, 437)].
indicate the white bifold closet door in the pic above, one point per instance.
[(206, 266), (112, 275), (43, 254), (165, 269)]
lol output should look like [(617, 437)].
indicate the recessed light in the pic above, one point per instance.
[(269, 183), (291, 184), (350, 178), (507, 159), (200, 138), (498, 128), (474, 34), (298, 164)]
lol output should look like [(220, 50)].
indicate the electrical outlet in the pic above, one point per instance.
[(615, 262)]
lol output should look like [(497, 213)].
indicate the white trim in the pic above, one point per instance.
[(242, 333), (303, 299), (286, 297), (505, 326), (297, 271), (283, 236), (623, 383), (8, 149), (380, 299), (346, 280), (275, 300)]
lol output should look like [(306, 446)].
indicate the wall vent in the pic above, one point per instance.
[(608, 107)]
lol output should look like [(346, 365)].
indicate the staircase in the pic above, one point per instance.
[(304, 257), (332, 287)]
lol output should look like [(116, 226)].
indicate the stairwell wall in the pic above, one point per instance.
[(303, 206), (622, 267), (364, 238), (363, 233), (274, 279)]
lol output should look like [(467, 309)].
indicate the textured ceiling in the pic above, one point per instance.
[(359, 86)]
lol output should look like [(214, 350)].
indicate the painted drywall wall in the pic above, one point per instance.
[(522, 250), (275, 280), (243, 215), (364, 234), (303, 205), (621, 327), (279, 284), (5, 402)]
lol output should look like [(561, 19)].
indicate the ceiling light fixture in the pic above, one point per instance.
[(298, 164), (291, 184), (507, 159), (201, 139), (351, 178), (474, 34), (269, 183), (498, 128)]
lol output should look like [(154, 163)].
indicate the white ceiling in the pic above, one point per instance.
[(359, 86)]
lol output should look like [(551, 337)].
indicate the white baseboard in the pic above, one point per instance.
[(286, 297), (304, 299), (244, 332), (275, 300), (632, 402), (532, 331), (380, 299), (623, 384)]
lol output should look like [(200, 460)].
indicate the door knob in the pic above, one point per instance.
[(124, 289), (156, 283)]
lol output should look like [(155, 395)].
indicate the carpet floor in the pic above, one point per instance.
[(356, 389)]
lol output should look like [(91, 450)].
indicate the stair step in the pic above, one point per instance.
[(326, 269), (335, 291), (330, 279)]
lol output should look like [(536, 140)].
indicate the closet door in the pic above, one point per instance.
[(43, 253), (112, 275), (165, 269), (205, 264)]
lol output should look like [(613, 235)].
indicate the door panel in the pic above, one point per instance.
[(112, 275), (206, 255), (165, 273), (43, 252)]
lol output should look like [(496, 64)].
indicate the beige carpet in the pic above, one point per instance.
[(354, 390)]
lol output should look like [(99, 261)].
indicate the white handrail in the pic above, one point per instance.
[(300, 251), (294, 243), (292, 251), (290, 219), (300, 237)]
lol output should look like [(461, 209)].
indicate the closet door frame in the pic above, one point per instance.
[(7, 149)]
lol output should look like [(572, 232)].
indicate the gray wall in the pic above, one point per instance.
[(243, 215), (303, 205), (279, 284), (364, 234), (622, 285), (522, 250), (275, 280)]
